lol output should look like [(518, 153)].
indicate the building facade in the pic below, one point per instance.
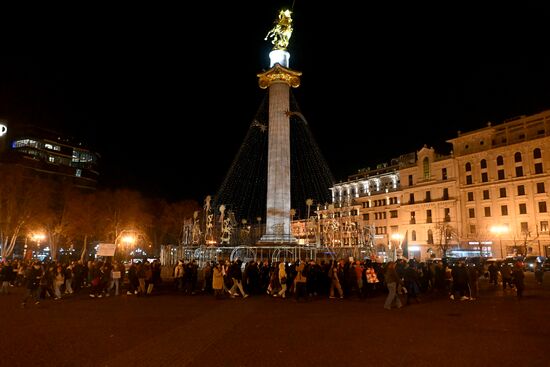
[(487, 197)]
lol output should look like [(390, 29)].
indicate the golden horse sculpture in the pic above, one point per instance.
[(282, 31)]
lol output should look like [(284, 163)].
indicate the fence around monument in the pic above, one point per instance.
[(170, 254)]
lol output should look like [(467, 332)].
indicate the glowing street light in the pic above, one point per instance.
[(499, 230), (36, 237), (126, 240)]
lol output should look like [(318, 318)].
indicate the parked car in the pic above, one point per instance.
[(546, 264)]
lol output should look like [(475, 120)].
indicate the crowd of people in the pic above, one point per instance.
[(401, 281)]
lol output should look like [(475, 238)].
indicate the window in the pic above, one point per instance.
[(538, 168), (471, 213), (524, 227), (484, 177), (519, 171), (500, 161), (468, 167), (522, 208), (540, 187), (393, 213), (410, 180), (542, 207), (502, 192), (428, 196), (472, 228), (413, 219), (366, 216), (487, 211), (444, 173), (486, 195), (411, 198), (413, 235), (517, 157), (430, 237), (426, 165), (470, 196), (544, 226), (521, 190), (537, 153), (504, 210), (469, 180), (445, 194), (483, 164), (447, 214), (428, 216), (500, 174)]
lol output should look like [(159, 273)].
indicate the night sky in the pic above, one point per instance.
[(166, 93)]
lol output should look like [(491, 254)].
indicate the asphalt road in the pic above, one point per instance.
[(170, 329)]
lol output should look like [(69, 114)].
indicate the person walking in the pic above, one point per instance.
[(236, 274), (539, 272), (392, 281), (518, 278), (334, 281), (473, 281), (217, 281), (33, 276), (282, 280), (300, 282)]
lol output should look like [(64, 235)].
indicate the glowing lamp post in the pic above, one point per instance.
[(38, 237), (126, 241), (499, 230), (397, 237)]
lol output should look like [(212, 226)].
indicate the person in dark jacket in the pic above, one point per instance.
[(33, 276), (237, 275), (518, 279), (460, 281)]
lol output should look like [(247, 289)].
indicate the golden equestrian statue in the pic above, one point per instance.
[(282, 30)]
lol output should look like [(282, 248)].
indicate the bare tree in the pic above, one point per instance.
[(522, 240), (446, 234), (21, 197), (84, 219)]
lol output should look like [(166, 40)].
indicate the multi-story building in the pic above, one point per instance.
[(429, 214), (503, 185), (364, 209), (488, 196), (50, 154)]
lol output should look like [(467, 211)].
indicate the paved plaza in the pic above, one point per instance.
[(169, 329)]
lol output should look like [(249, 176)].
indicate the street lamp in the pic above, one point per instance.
[(126, 239), (499, 230), (38, 237), (397, 237)]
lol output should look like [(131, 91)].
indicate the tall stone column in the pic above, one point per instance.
[(279, 80)]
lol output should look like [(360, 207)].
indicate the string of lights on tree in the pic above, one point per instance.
[(244, 188)]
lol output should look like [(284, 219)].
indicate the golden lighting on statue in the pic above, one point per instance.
[(282, 31)]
